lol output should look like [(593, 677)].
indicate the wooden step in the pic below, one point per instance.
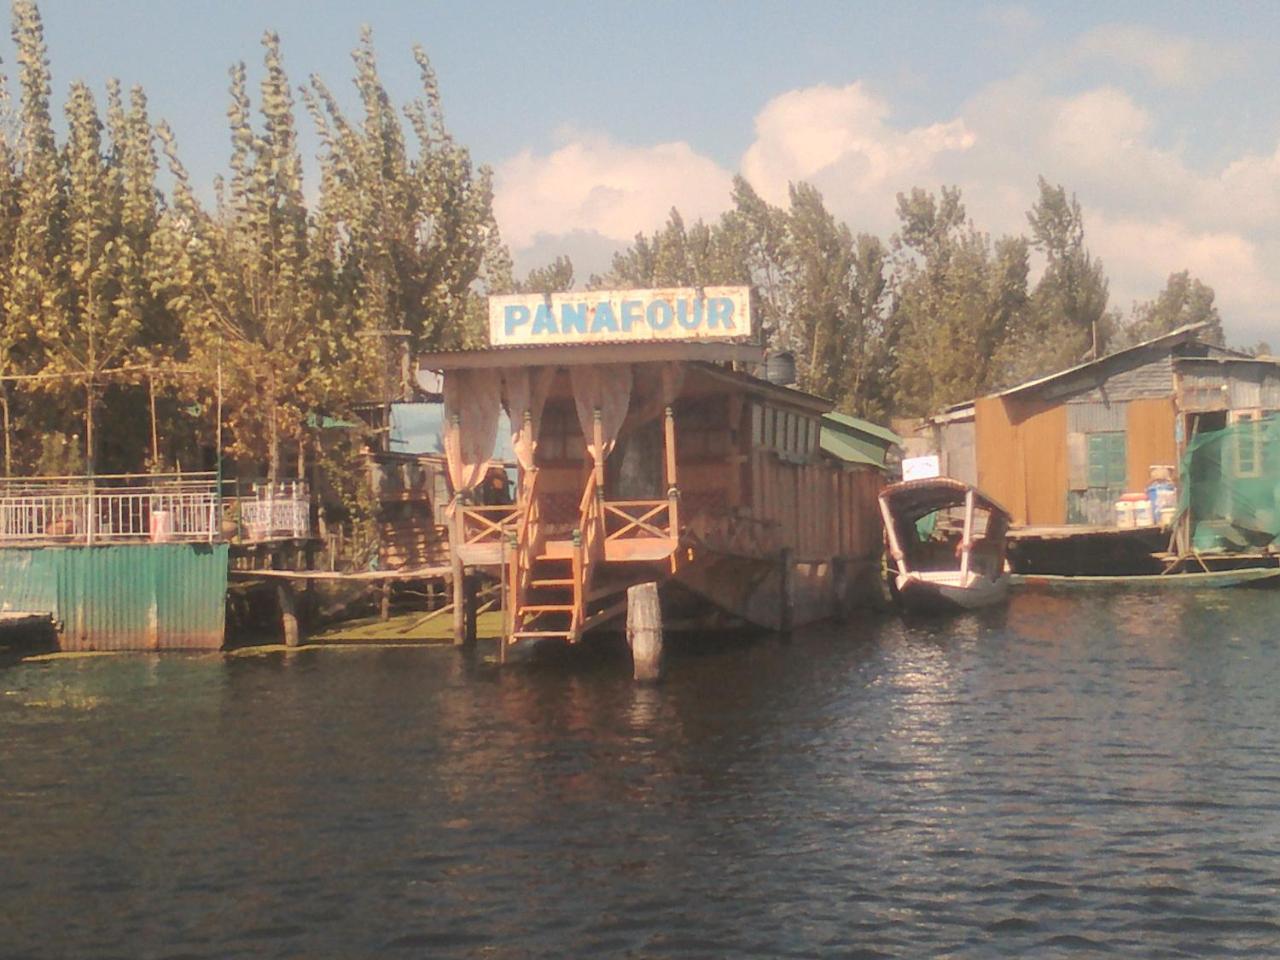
[(547, 608), (523, 634), (551, 583)]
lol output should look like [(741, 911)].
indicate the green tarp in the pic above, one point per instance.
[(1231, 486)]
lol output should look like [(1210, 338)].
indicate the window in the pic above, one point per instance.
[(1108, 465), (1247, 441)]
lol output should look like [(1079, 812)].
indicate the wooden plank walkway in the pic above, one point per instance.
[(20, 619), (416, 573)]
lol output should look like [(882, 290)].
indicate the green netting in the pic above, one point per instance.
[(1231, 486)]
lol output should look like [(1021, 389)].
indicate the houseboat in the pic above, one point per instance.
[(648, 452)]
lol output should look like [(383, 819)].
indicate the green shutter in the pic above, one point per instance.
[(1108, 463)]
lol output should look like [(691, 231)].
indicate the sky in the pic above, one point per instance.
[(599, 117)]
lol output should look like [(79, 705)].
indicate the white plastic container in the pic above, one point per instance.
[(1124, 514), (161, 526)]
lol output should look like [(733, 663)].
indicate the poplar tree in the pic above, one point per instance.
[(956, 299), (10, 213), (239, 278), (413, 230)]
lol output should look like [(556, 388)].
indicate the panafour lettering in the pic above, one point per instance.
[(600, 319)]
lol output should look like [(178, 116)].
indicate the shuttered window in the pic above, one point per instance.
[(1108, 465)]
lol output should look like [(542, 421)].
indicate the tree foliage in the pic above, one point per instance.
[(306, 299), (1184, 300)]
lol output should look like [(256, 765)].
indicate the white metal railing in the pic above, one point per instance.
[(106, 509), (155, 507), (275, 518)]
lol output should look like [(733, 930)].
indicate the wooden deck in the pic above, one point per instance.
[(21, 621)]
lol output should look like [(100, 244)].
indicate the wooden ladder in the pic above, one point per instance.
[(547, 612)]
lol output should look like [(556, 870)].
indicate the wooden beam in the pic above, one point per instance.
[(574, 355)]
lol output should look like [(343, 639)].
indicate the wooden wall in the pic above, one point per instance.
[(1022, 458), (821, 510), (1150, 438)]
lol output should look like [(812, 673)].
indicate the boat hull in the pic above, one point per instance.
[(926, 596)]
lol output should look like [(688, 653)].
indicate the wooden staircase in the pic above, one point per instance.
[(546, 611)]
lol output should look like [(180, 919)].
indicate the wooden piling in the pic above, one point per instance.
[(459, 602), (288, 613), (644, 631), (470, 590), (787, 584)]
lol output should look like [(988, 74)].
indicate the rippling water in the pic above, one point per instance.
[(1064, 778)]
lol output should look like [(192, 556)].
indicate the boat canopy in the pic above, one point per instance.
[(913, 499)]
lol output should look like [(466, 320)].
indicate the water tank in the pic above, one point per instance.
[(780, 368)]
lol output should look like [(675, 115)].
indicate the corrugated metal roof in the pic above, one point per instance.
[(1170, 339), (843, 447), (864, 426)]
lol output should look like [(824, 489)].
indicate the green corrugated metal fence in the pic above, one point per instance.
[(169, 596)]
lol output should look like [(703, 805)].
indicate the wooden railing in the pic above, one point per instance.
[(639, 519), (484, 525), (529, 538), (588, 548)]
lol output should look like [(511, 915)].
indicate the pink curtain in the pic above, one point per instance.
[(525, 391), (471, 402), (607, 389)]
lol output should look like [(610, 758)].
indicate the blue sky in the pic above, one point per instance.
[(1163, 118)]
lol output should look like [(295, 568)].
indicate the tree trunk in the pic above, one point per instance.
[(90, 459), (8, 441), (273, 435), (155, 434)]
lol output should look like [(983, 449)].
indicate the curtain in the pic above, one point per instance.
[(655, 387), (525, 391), (603, 388), (471, 402)]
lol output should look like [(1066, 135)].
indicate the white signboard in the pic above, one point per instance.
[(681, 313), (920, 468)]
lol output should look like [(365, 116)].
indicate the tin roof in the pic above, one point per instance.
[(591, 353), (1173, 338), (854, 440)]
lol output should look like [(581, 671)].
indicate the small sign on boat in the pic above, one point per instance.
[(680, 313), (920, 468)]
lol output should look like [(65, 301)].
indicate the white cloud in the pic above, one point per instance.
[(1166, 59), (1140, 254), (1148, 211), (842, 134), (1014, 20), (592, 183)]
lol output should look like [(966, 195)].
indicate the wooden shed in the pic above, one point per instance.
[(1063, 448)]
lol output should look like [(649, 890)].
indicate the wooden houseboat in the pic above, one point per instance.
[(656, 458)]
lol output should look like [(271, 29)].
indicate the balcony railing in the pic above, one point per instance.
[(156, 507), (148, 507)]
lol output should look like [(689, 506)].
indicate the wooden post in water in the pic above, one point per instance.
[(470, 589), (787, 597), (288, 613), (459, 575), (644, 631), (384, 611)]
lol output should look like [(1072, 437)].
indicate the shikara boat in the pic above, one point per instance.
[(946, 544)]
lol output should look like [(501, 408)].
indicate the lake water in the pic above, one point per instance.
[(1070, 777)]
